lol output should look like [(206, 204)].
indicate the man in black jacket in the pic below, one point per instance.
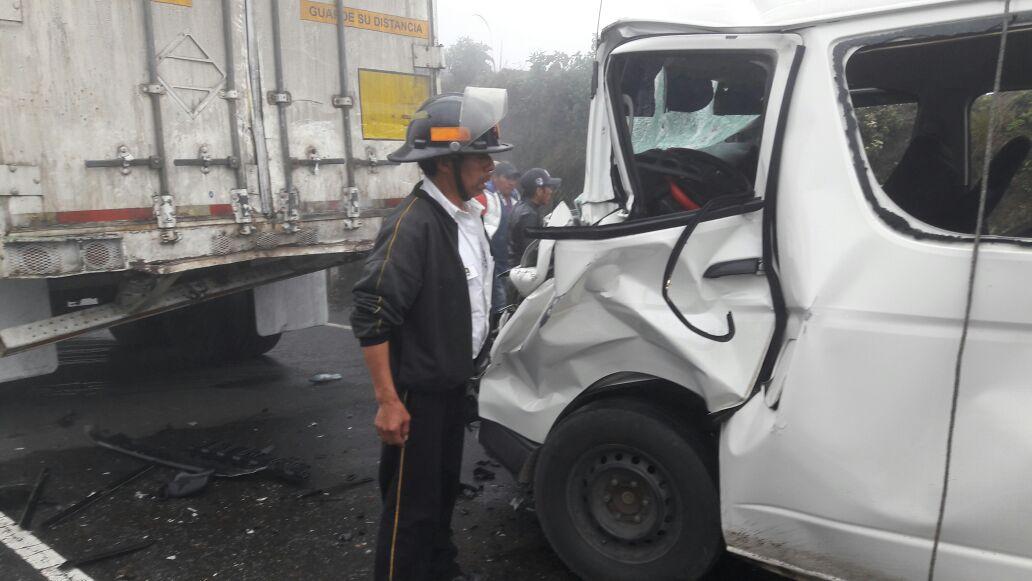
[(536, 187), (421, 315)]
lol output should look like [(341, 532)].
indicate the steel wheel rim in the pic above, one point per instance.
[(624, 503)]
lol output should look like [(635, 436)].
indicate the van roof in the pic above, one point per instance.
[(742, 15)]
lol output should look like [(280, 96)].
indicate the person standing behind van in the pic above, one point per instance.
[(499, 200), (537, 187)]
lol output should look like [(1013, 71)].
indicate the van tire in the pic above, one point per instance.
[(623, 492)]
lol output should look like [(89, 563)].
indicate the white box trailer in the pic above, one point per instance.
[(159, 153)]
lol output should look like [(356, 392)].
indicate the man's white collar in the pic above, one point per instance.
[(431, 188)]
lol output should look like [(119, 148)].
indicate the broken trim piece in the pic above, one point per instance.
[(118, 551), (771, 256), (506, 446), (631, 228), (95, 496), (711, 207), (25, 522)]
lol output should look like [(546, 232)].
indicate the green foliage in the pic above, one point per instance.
[(548, 106), (1013, 216), (469, 64), (886, 131)]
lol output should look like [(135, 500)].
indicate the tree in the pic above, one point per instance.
[(547, 119), (1013, 215), (469, 64), (548, 116)]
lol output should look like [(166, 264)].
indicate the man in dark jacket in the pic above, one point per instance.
[(421, 315), (536, 187)]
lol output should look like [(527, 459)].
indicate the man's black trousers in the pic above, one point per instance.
[(419, 485)]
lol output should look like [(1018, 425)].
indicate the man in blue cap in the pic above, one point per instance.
[(536, 187), (499, 200)]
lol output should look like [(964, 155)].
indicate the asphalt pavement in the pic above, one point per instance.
[(248, 527)]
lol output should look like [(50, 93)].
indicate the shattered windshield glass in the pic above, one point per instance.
[(694, 121), (694, 130)]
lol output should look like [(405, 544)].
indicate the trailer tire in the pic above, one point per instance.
[(623, 492), (219, 329), (147, 332), (254, 345)]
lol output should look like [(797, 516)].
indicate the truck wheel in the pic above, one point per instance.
[(624, 494), (217, 330), (251, 344), (142, 333), (246, 342)]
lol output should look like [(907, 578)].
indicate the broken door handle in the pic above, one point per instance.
[(734, 267)]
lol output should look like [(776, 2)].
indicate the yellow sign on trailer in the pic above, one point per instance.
[(365, 19), (388, 100)]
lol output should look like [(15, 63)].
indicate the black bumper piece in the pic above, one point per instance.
[(506, 447)]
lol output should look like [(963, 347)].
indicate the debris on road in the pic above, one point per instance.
[(68, 420), (95, 496), (107, 554), (325, 377), (331, 490), (25, 522), (481, 474), (292, 470), (186, 484), (123, 444), (469, 491), (223, 459)]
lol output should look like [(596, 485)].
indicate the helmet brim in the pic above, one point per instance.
[(407, 154)]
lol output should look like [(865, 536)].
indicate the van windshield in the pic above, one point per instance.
[(692, 129), (694, 121)]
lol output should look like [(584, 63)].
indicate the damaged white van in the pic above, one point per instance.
[(750, 337)]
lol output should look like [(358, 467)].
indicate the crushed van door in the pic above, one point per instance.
[(676, 291)]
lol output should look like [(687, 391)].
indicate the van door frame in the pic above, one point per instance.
[(620, 142)]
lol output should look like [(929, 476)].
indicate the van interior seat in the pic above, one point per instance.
[(1002, 168), (928, 185)]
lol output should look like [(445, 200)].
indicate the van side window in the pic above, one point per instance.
[(926, 152), (694, 123)]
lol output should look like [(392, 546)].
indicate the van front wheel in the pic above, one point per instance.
[(623, 493)]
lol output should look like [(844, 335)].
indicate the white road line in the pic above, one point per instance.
[(339, 326), (36, 553)]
